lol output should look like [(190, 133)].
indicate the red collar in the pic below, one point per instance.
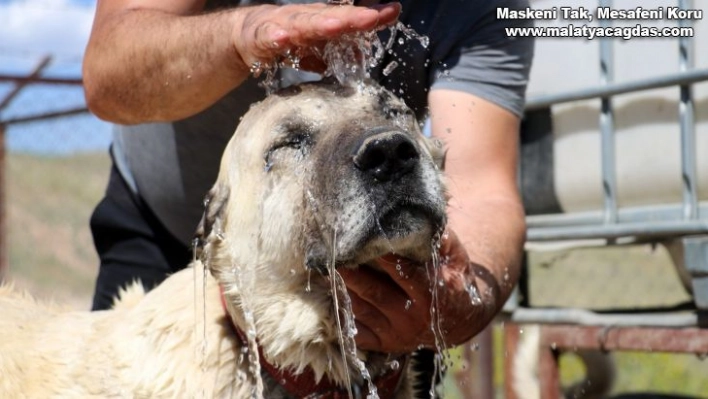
[(304, 385)]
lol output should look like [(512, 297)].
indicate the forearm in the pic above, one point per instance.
[(485, 209), (492, 231), (149, 65), (150, 60)]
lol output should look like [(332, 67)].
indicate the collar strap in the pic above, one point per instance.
[(305, 386)]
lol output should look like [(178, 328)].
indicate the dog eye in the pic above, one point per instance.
[(296, 141)]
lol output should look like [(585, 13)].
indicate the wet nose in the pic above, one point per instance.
[(386, 156)]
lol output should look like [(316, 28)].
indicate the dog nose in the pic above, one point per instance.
[(387, 155)]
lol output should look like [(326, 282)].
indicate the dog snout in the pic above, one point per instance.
[(387, 155)]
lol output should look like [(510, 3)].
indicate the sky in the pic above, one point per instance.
[(30, 29)]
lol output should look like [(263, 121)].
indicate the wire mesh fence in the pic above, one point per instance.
[(55, 169)]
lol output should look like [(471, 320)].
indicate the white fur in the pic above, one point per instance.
[(176, 341)]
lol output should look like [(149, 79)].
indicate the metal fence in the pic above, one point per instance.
[(682, 227), (53, 169)]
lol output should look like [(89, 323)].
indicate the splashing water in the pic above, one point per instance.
[(390, 67), (200, 348), (251, 350), (195, 243), (349, 58), (335, 297), (433, 269), (204, 322), (346, 327), (412, 34)]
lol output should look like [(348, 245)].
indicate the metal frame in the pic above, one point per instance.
[(685, 223), (554, 339), (20, 82)]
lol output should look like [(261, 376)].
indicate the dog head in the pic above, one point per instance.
[(317, 175), (322, 173)]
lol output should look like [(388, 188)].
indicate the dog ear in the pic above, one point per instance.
[(212, 218)]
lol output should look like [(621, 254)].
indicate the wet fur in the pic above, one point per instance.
[(272, 222)]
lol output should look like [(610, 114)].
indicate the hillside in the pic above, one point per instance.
[(50, 200)]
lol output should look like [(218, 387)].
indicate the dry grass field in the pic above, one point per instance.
[(50, 200)]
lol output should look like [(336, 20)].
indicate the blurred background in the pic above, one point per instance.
[(55, 164), (615, 182)]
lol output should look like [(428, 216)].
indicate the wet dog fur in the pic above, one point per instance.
[(316, 175)]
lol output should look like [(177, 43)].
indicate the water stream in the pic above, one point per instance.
[(350, 60)]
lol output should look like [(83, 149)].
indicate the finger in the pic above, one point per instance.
[(380, 302), (372, 286), (268, 40), (368, 313), (359, 18), (411, 277), (308, 24)]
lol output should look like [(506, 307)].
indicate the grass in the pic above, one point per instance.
[(50, 200), (52, 256)]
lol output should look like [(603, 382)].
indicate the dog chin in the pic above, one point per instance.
[(408, 233)]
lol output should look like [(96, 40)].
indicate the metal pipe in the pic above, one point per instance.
[(656, 213), (585, 317), (615, 89), (612, 231), (20, 84), (22, 79), (4, 256), (687, 122), (607, 126), (46, 115)]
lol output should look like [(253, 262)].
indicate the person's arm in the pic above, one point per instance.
[(486, 221), (164, 60), (485, 208)]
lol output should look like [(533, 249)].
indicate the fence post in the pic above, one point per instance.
[(3, 207)]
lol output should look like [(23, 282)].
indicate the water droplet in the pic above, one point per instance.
[(408, 304), (475, 298), (390, 67)]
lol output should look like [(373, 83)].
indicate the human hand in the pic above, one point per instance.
[(392, 306), (265, 33)]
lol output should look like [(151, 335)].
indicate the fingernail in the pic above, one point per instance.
[(278, 37)]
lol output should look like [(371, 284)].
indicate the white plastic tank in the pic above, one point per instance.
[(647, 132)]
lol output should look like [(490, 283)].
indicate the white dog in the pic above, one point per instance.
[(316, 176)]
